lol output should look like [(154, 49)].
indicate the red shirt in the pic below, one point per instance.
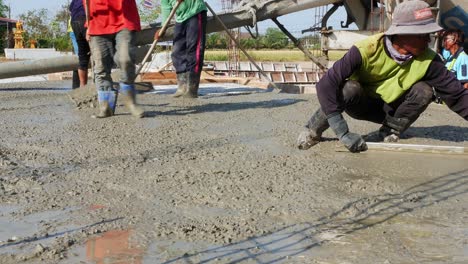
[(111, 16)]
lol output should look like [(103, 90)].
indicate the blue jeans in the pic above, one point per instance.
[(107, 50)]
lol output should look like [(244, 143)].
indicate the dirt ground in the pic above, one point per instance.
[(219, 180)]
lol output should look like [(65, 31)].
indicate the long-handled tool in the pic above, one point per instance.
[(161, 33)]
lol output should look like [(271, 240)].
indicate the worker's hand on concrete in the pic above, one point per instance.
[(352, 141)]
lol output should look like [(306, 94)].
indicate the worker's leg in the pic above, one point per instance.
[(83, 49), (316, 125), (403, 112), (179, 58), (83, 76), (360, 106), (125, 60), (195, 39), (102, 52), (408, 108), (75, 79), (357, 104)]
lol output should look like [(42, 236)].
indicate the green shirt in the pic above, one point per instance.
[(381, 76), (186, 10)]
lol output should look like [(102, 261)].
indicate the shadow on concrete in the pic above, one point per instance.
[(293, 240), (442, 133), (57, 234), (224, 107)]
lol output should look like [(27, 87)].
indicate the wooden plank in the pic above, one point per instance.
[(416, 148)]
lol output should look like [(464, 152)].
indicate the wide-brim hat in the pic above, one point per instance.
[(412, 17)]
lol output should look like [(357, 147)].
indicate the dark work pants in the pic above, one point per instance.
[(189, 44), (83, 45), (409, 106)]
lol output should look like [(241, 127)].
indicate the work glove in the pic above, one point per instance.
[(352, 141)]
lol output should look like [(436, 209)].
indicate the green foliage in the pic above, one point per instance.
[(275, 39), (249, 43), (216, 41), (62, 43), (61, 19), (37, 23), (216, 55), (3, 30), (3, 9)]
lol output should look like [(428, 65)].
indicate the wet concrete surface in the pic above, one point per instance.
[(219, 180)]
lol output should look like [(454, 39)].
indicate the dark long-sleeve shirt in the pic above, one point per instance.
[(445, 83), (77, 10)]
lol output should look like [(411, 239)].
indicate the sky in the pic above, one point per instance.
[(293, 22)]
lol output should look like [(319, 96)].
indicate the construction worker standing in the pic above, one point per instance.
[(386, 79), (189, 43), (111, 32), (75, 76), (77, 22), (457, 59)]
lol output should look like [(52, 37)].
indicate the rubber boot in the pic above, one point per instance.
[(193, 82), (129, 95), (390, 130), (317, 124), (182, 85), (106, 109)]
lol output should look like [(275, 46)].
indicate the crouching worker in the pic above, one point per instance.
[(111, 33), (189, 43), (385, 79)]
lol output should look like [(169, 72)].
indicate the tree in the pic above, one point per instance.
[(216, 41), (61, 18), (4, 9), (275, 39), (249, 43), (36, 23), (59, 26)]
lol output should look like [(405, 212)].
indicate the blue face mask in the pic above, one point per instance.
[(396, 56)]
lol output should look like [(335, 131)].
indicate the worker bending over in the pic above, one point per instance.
[(386, 79)]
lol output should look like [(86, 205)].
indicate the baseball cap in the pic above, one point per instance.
[(412, 17)]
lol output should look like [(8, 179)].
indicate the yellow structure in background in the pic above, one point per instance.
[(32, 43), (19, 42)]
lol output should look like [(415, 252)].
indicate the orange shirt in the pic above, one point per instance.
[(111, 16)]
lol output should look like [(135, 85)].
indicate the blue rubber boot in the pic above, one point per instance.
[(104, 107), (129, 95)]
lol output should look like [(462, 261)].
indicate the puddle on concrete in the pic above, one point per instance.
[(22, 234), (112, 247)]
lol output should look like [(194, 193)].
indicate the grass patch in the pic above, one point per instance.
[(270, 55)]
